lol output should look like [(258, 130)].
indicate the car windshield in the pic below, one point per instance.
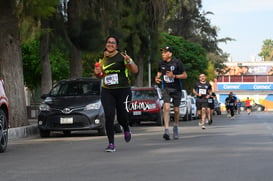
[(144, 94), (76, 88)]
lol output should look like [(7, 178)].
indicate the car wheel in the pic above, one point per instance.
[(3, 131), (118, 128), (44, 133), (67, 133), (190, 116), (160, 119), (185, 118)]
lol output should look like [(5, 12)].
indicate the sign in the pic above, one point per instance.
[(253, 87)]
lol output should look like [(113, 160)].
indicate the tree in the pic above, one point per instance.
[(37, 14), (267, 50), (11, 68), (59, 61)]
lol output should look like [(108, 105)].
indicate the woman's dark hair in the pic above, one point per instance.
[(112, 36)]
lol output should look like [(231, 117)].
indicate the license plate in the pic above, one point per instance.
[(137, 113), (66, 121)]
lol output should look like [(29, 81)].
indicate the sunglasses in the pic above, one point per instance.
[(111, 42)]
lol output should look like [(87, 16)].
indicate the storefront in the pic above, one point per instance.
[(260, 93)]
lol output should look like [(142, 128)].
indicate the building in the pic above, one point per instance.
[(248, 79)]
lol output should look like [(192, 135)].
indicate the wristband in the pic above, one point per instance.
[(130, 62)]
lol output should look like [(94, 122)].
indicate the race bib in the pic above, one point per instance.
[(111, 79), (203, 91), (168, 79), (209, 100)]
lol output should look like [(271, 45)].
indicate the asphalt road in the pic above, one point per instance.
[(229, 150)]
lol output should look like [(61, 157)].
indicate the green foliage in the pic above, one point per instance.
[(37, 8), (31, 64), (267, 50), (59, 60), (32, 68), (191, 54)]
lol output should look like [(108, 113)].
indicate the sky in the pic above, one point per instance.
[(249, 22)]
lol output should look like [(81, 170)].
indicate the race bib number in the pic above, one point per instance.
[(168, 79), (111, 79), (203, 91), (209, 100)]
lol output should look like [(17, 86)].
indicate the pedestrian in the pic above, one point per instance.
[(202, 90), (113, 70), (248, 105), (169, 75), (210, 109), (231, 104)]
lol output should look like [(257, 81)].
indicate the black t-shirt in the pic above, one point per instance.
[(231, 101), (177, 67), (202, 88)]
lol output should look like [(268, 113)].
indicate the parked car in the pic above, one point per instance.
[(146, 105), (4, 118), (72, 105), (185, 108), (254, 107), (193, 106)]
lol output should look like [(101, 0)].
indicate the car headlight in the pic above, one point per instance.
[(44, 107), (96, 105)]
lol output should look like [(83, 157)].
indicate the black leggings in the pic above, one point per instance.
[(114, 101), (231, 110)]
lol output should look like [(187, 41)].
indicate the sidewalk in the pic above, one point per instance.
[(24, 131)]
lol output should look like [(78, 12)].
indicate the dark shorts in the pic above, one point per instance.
[(201, 103), (211, 105), (172, 95), (230, 107)]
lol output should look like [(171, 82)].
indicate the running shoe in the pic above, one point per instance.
[(166, 136), (127, 136), (175, 133), (210, 122), (203, 127), (110, 148), (199, 123)]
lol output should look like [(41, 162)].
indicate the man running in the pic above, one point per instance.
[(202, 90), (169, 75), (230, 104)]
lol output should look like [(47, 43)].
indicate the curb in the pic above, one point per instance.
[(24, 131)]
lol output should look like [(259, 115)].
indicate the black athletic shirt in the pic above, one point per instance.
[(202, 88), (115, 72), (176, 66)]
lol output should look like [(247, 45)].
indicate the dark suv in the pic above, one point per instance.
[(4, 118), (146, 105), (72, 105)]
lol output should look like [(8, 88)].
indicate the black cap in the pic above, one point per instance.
[(167, 48)]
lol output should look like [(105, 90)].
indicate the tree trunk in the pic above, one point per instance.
[(139, 77), (75, 62), (11, 66), (46, 79)]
